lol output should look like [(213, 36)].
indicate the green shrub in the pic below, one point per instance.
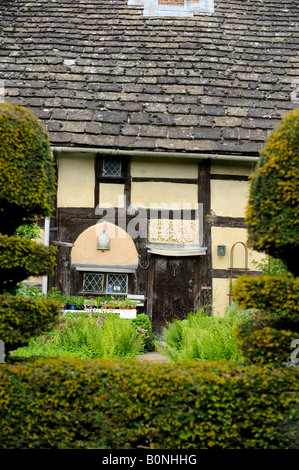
[(270, 293), (271, 267), (267, 345), (21, 318), (71, 403), (28, 231), (200, 336), (267, 338), (21, 258), (26, 168), (273, 208), (143, 327)]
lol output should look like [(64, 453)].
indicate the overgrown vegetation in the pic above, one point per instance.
[(200, 336), (88, 336)]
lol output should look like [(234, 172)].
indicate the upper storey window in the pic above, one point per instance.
[(177, 8)]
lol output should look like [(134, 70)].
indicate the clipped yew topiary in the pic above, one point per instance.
[(20, 259), (273, 228), (271, 293), (26, 191), (273, 208), (26, 168)]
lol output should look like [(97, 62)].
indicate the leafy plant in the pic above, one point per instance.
[(272, 267), (200, 336), (143, 327), (87, 335), (28, 231)]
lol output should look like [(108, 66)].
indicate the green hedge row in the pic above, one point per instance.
[(70, 403), (22, 318)]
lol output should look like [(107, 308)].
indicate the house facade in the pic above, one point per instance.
[(156, 112)]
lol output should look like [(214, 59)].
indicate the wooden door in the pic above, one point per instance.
[(174, 289)]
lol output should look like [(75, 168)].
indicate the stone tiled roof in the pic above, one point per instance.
[(98, 73)]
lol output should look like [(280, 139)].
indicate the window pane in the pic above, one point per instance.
[(117, 283), (111, 167), (93, 282)]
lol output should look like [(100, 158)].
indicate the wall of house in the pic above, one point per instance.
[(76, 180), (229, 195), (221, 187)]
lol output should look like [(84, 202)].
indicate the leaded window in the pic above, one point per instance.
[(93, 282), (117, 283), (111, 167)]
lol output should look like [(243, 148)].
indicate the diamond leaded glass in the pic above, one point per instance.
[(111, 167), (117, 283), (93, 282)]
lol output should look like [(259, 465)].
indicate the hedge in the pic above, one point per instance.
[(27, 179), (273, 209), (94, 404), (272, 293), (23, 318)]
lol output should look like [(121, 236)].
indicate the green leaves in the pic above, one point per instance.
[(201, 337), (26, 165), (273, 208), (72, 403)]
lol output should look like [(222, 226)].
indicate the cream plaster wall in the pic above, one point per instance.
[(220, 296), (229, 236), (112, 194), (149, 194), (76, 181), (229, 198), (163, 168), (232, 168), (122, 250)]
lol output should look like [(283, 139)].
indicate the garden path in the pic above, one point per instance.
[(153, 357)]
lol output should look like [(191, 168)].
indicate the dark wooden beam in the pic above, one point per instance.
[(229, 177)]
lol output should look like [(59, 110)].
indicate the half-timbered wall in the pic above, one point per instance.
[(173, 280)]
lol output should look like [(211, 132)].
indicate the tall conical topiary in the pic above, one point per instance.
[(273, 209), (27, 185), (273, 228)]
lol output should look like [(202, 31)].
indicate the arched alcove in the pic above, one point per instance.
[(104, 269), (122, 253)]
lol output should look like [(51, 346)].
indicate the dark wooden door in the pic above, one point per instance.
[(175, 289)]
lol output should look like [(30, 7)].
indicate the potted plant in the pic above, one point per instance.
[(129, 304)]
